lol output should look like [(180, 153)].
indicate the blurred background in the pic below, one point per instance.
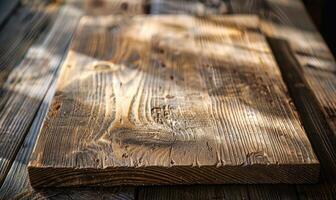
[(323, 13)]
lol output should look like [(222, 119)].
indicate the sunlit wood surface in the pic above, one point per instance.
[(282, 19), (170, 100)]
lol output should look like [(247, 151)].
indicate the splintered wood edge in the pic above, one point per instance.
[(151, 175)]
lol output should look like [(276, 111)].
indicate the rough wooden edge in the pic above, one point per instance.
[(57, 177)]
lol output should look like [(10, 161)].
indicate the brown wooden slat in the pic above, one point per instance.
[(27, 22), (16, 37), (220, 192), (201, 192), (132, 107), (313, 118), (313, 85), (275, 192), (25, 89), (124, 193)]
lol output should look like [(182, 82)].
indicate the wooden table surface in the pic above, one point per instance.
[(35, 38)]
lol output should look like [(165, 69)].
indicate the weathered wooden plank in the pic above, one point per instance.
[(287, 20), (318, 64), (201, 192), (223, 192), (313, 82), (220, 192), (16, 181), (124, 193), (276, 192), (313, 119), (27, 22), (132, 107), (26, 87), (16, 184)]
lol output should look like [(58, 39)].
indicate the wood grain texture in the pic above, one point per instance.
[(312, 81), (201, 192), (16, 184), (132, 107), (292, 16), (110, 7), (25, 88), (318, 64), (282, 21), (27, 22), (314, 121), (220, 192), (192, 7), (276, 192), (124, 193)]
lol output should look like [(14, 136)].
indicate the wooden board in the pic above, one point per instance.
[(233, 192), (26, 86), (218, 192), (116, 193), (133, 107), (281, 20), (27, 22), (16, 183), (293, 15), (312, 83), (17, 109)]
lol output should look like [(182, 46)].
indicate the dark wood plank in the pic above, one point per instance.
[(132, 107), (124, 193), (201, 192), (275, 192), (6, 7), (220, 192)]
